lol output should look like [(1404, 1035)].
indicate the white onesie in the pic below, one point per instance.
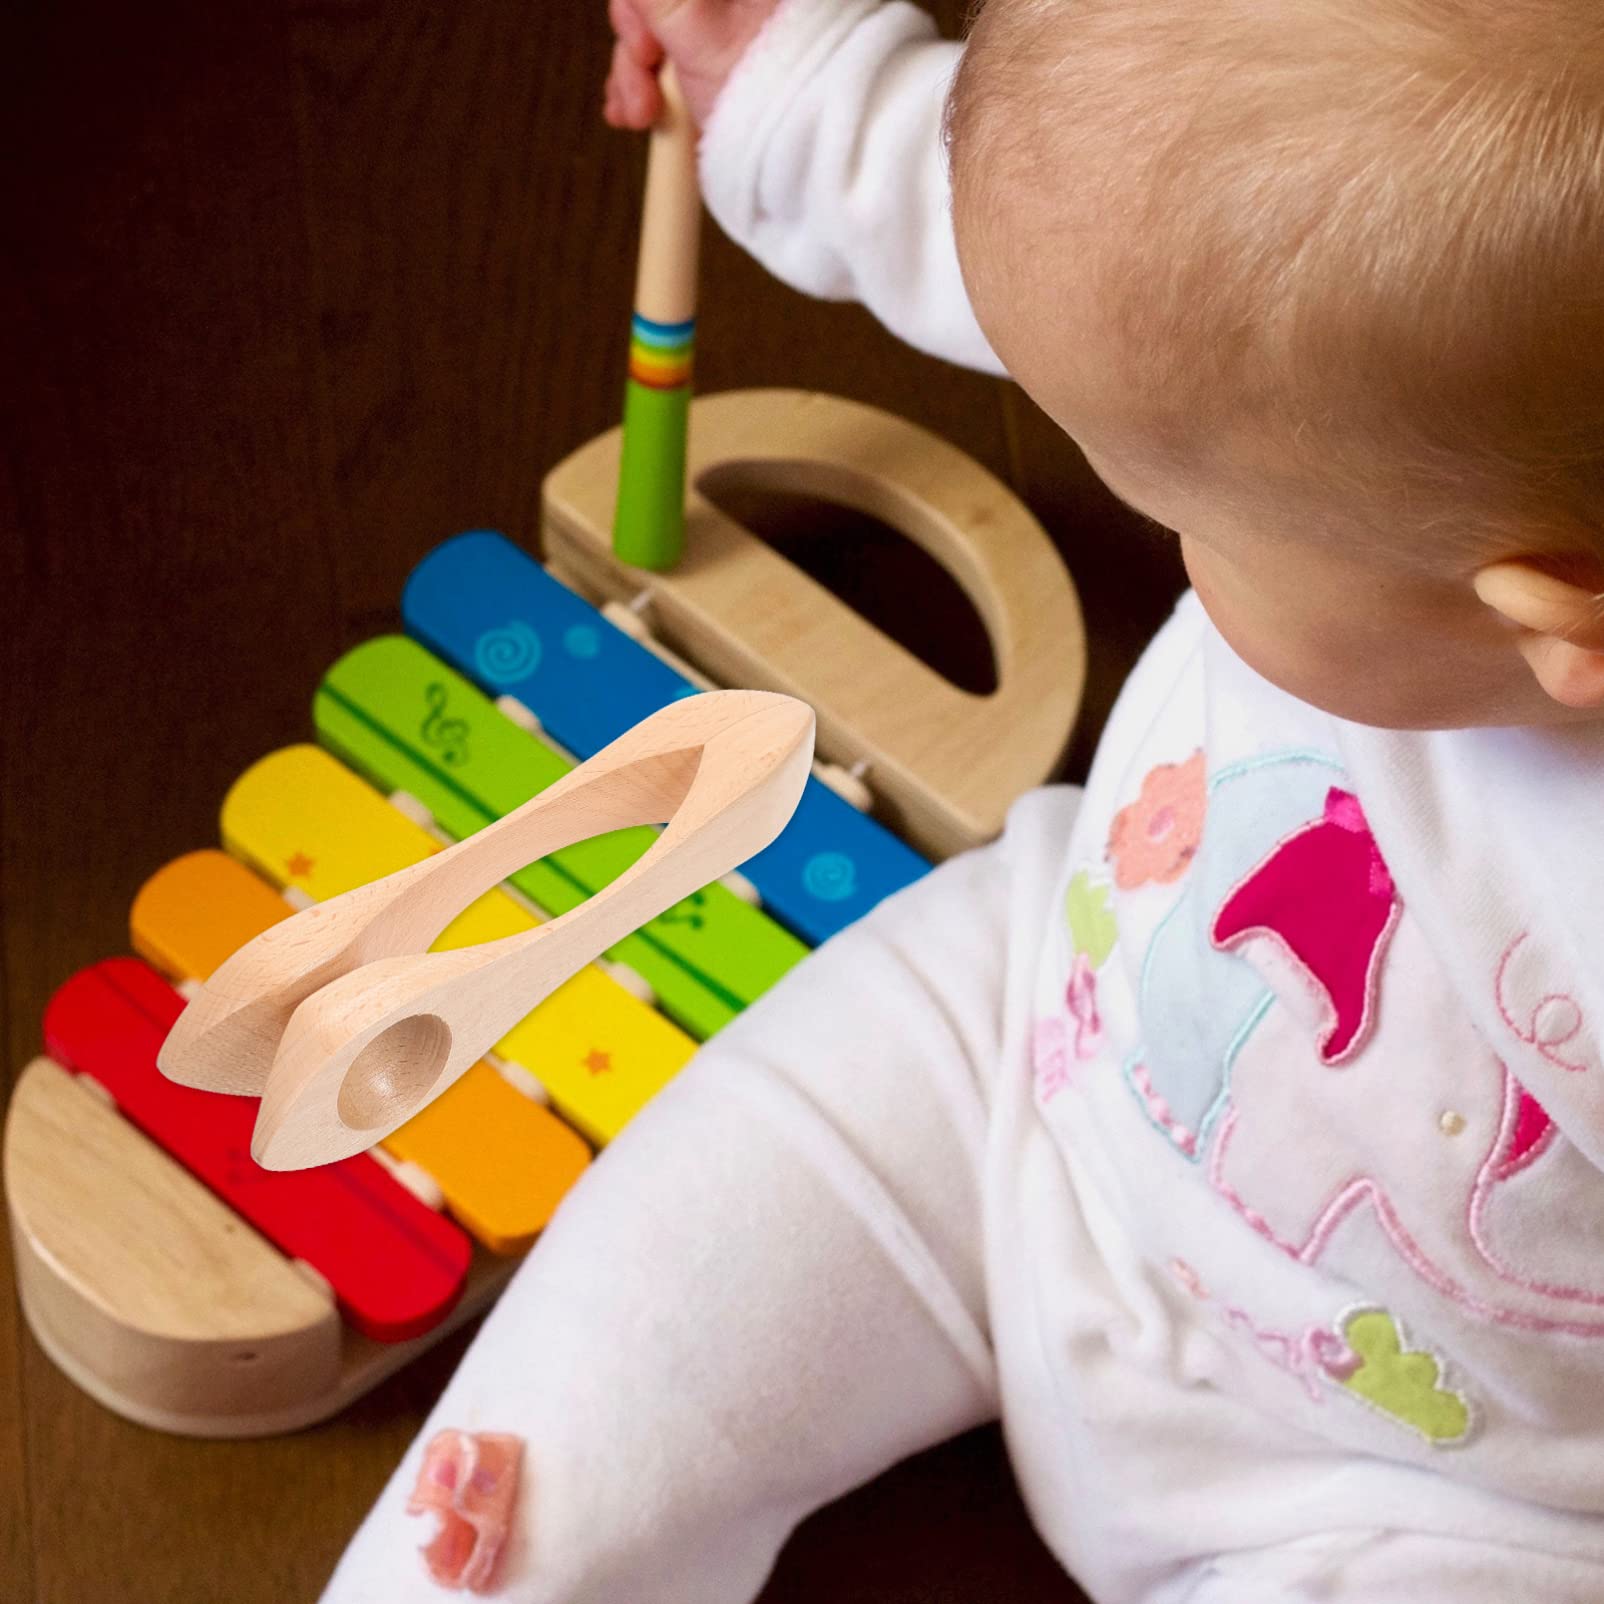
[(1232, 1131)]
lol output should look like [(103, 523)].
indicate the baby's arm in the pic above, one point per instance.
[(824, 158), (767, 1290), (822, 148)]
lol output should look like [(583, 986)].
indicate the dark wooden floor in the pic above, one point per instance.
[(292, 291)]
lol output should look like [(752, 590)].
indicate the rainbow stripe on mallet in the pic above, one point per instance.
[(660, 353)]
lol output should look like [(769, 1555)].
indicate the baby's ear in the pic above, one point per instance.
[(1561, 618)]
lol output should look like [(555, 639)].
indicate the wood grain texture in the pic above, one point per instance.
[(748, 616), (162, 1302), (99, 1216), (349, 1026), (292, 291), (16, 1529), (671, 214)]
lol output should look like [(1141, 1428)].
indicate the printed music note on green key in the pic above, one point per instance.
[(397, 714)]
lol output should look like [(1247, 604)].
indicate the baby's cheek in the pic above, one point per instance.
[(1291, 629), (1254, 628)]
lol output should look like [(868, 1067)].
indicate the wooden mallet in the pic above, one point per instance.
[(649, 519)]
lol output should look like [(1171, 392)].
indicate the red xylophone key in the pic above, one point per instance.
[(396, 1266)]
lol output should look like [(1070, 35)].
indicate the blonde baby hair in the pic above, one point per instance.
[(1360, 242)]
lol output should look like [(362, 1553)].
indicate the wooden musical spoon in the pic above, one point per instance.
[(348, 1025)]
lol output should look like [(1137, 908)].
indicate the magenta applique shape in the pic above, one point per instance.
[(1529, 1131), (1326, 896)]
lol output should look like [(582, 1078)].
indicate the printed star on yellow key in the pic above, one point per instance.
[(597, 1062), (299, 866)]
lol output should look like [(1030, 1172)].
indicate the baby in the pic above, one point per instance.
[(1233, 1130)]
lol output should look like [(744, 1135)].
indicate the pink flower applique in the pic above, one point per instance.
[(1080, 998), (1155, 838), (1049, 1058), (470, 1479), (1310, 1355)]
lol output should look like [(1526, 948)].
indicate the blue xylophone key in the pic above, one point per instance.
[(494, 613)]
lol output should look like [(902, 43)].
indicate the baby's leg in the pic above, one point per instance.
[(1398, 1567), (765, 1292)]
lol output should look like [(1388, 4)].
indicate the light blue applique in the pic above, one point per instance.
[(1200, 1006)]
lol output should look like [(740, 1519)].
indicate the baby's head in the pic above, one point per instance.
[(1319, 284)]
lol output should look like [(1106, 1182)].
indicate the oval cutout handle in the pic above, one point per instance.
[(364, 1053)]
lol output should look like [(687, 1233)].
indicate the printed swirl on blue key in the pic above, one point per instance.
[(830, 876), (508, 654)]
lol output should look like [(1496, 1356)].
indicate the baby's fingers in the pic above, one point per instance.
[(634, 33), (632, 98)]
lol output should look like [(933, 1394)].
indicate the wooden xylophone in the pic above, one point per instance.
[(185, 1287)]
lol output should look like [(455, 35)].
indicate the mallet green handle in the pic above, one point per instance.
[(649, 519)]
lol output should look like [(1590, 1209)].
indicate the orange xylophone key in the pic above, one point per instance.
[(501, 1162)]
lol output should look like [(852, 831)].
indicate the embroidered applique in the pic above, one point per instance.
[(1525, 1134), (1529, 1132), (1314, 1355), (1325, 895), (1154, 839), (1311, 1355), (1159, 1112), (1080, 998), (1403, 1383), (1049, 1058), (1200, 1005), (1093, 930), (1093, 934), (1449, 1251), (1553, 1021), (469, 1479), (1363, 1353), (1190, 1138), (1234, 1083)]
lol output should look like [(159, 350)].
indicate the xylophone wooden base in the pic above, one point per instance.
[(239, 1344), (744, 615), (179, 1299)]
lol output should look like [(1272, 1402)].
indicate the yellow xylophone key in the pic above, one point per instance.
[(302, 819), (501, 1162)]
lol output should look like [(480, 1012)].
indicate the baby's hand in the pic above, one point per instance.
[(703, 38)]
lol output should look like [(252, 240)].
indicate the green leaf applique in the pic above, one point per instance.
[(1403, 1382), (1092, 927)]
